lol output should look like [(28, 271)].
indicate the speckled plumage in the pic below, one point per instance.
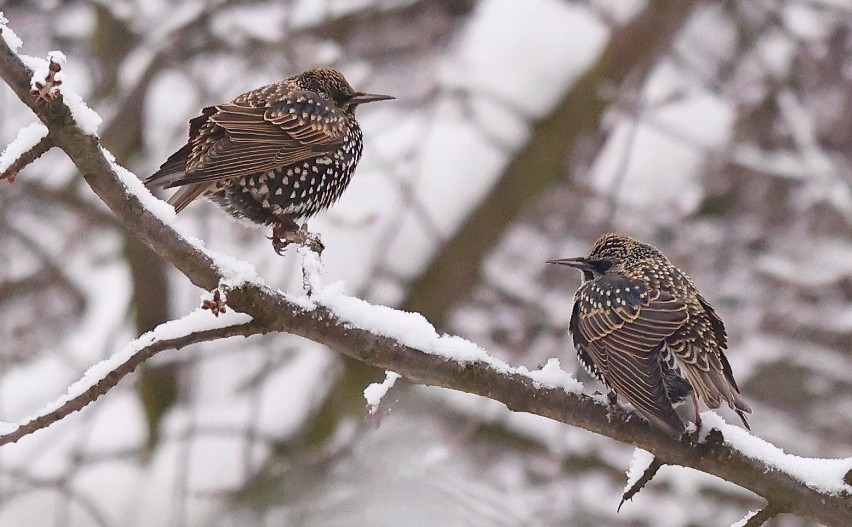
[(640, 326), (273, 155)]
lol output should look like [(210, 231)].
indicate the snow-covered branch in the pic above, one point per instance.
[(407, 343), (30, 144), (196, 327)]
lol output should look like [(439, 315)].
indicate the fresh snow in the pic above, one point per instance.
[(234, 272), (198, 320), (27, 138), (159, 208), (744, 521), (413, 330), (9, 36), (553, 376), (87, 119), (377, 390), (824, 475), (639, 463)]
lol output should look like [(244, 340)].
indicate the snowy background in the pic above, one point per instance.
[(517, 136)]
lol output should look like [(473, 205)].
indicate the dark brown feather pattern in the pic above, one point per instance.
[(640, 326), (273, 155)]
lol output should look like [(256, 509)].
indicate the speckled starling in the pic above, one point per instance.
[(273, 155), (640, 326)]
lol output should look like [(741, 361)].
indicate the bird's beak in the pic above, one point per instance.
[(361, 98), (577, 263)]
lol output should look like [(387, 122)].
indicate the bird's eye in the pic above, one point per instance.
[(602, 265)]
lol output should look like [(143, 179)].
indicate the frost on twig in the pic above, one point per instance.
[(29, 145), (643, 467)]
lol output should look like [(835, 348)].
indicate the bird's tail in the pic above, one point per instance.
[(713, 387), (172, 170), (186, 194)]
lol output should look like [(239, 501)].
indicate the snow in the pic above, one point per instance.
[(9, 36), (198, 320), (639, 463), (744, 521), (413, 330), (375, 391), (159, 208), (234, 272), (27, 138), (87, 119), (824, 475), (552, 375)]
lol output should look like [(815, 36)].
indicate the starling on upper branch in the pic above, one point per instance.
[(640, 326), (273, 155)]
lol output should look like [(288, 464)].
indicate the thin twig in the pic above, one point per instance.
[(26, 158), (647, 475), (763, 515), (112, 378)]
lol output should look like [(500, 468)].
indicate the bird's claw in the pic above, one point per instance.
[(611, 407), (282, 237)]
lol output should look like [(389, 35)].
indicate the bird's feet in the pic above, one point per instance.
[(612, 406), (696, 434), (283, 234)]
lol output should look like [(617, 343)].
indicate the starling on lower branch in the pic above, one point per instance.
[(640, 326), (273, 155)]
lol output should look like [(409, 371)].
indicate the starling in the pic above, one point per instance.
[(641, 327), (273, 155)]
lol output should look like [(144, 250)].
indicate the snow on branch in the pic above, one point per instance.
[(406, 343), (757, 518), (28, 146), (198, 326)]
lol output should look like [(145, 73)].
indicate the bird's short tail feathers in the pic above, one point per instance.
[(186, 194), (172, 170), (712, 387)]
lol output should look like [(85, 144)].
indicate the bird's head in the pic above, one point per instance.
[(612, 253), (331, 84)]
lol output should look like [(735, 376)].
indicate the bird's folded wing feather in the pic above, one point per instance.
[(243, 140), (624, 324)]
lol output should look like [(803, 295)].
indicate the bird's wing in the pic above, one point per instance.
[(241, 140), (716, 323), (624, 324), (175, 166)]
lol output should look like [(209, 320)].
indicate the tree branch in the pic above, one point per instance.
[(395, 350), (101, 386), (26, 158)]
